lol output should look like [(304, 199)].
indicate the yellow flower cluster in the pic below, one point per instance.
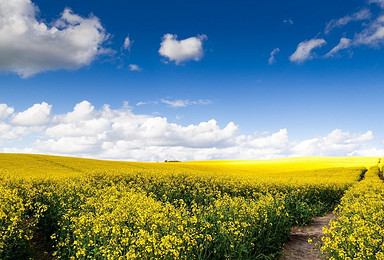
[(116, 221), (18, 218), (93, 209), (358, 232), (11, 214)]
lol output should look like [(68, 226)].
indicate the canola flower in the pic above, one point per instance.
[(18, 217), (12, 230), (93, 209), (119, 222), (358, 232)]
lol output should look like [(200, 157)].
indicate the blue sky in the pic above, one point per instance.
[(194, 79)]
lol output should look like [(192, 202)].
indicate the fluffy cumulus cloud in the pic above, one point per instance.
[(121, 134), (181, 51), (336, 143), (29, 46), (38, 114), (304, 50), (5, 111)]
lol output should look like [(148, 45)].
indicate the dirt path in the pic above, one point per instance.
[(298, 247), (40, 248)]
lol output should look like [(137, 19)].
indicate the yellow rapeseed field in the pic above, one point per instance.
[(94, 209)]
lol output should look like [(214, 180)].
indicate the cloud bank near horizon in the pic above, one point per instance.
[(120, 134)]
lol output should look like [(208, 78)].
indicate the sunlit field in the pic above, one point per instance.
[(71, 208)]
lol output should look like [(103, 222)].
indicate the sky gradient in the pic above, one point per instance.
[(191, 80)]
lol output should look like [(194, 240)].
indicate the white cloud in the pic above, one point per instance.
[(29, 46), (36, 115), (363, 14), (82, 111), (184, 102), (68, 145), (304, 50), (344, 43), (142, 103), (83, 121), (120, 134), (279, 139), (5, 111), (372, 35), (368, 152), (379, 2), (176, 103), (8, 131), (134, 67), (336, 143), (288, 21), (127, 43), (272, 59), (183, 50)]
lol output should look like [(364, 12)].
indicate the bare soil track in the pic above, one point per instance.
[(40, 248), (298, 247)]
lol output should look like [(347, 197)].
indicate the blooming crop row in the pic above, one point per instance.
[(358, 232)]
